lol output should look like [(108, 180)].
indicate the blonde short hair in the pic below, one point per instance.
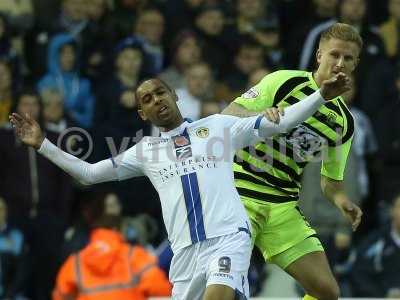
[(344, 32)]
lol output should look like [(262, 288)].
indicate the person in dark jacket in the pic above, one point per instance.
[(116, 116), (29, 183), (376, 269)]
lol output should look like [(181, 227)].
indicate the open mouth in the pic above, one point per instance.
[(163, 110)]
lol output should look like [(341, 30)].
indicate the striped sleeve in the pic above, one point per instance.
[(271, 90), (334, 164)]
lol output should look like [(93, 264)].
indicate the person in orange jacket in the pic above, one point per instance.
[(109, 268)]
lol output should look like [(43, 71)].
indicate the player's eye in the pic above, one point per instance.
[(335, 55), (146, 99)]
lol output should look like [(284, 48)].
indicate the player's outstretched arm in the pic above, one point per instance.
[(301, 111), (30, 133)]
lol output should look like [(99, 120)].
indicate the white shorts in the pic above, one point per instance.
[(222, 260)]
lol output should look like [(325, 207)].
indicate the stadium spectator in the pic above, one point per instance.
[(8, 51), (302, 16), (249, 57), (389, 30), (180, 14), (6, 91), (209, 25), (185, 51), (258, 19), (116, 115), (251, 13), (124, 14), (14, 265), (198, 90), (110, 268), (97, 40), (20, 14), (149, 27), (136, 230), (338, 248), (388, 129), (53, 110), (63, 74), (72, 19), (375, 271)]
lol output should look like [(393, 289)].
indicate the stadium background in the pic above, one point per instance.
[(75, 63)]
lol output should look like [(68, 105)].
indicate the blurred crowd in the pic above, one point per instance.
[(76, 63)]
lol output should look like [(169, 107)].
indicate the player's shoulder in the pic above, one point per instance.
[(283, 81), (284, 75), (215, 120)]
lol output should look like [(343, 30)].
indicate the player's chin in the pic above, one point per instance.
[(162, 121)]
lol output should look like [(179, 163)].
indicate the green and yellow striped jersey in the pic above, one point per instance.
[(271, 170)]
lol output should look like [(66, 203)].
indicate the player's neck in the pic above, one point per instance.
[(174, 124)]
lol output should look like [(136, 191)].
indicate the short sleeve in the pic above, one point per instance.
[(334, 164), (261, 96), (130, 163)]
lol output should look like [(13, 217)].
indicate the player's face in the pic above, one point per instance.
[(158, 104), (336, 56)]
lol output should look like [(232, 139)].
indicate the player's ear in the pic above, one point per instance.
[(142, 114), (357, 62), (318, 56)]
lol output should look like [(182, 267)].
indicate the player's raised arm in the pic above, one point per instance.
[(301, 111), (30, 133), (267, 125)]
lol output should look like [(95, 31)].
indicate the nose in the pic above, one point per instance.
[(157, 99), (340, 62)]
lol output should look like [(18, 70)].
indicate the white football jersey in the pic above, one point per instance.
[(191, 169)]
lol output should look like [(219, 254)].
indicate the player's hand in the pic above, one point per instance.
[(335, 86), (27, 130), (352, 213), (273, 114)]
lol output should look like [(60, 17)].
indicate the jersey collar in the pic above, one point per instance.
[(178, 130)]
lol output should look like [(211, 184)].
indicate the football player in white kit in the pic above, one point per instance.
[(190, 165)]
